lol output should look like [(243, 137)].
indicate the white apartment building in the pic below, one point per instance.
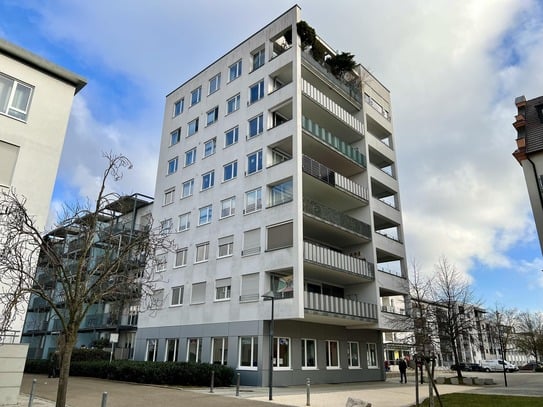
[(277, 178)]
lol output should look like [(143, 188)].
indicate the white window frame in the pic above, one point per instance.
[(178, 107), (193, 127), (223, 289), (304, 353), (154, 343), (371, 355), (208, 215), (230, 169), (259, 94), (210, 147), (277, 342), (249, 206), (228, 207), (198, 286), (11, 108), (233, 104), (259, 165), (329, 355), (235, 70), (258, 58), (259, 126), (177, 293), (169, 196), (190, 157), (234, 132), (175, 136), (212, 116), (227, 243), (223, 349), (281, 193), (208, 180), (350, 352), (183, 252), (198, 354), (172, 166), (196, 96), (175, 342), (166, 226), (202, 252), (214, 84), (157, 299), (183, 222), (253, 363), (187, 186), (161, 262)]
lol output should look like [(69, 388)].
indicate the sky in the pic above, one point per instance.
[(453, 69)]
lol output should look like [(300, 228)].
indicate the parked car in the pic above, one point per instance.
[(498, 365), (466, 367), (532, 366), (476, 367)]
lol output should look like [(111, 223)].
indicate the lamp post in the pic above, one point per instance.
[(270, 296)]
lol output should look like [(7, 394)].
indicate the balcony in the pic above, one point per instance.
[(96, 321), (336, 180), (336, 307), (332, 107), (332, 260), (338, 219)]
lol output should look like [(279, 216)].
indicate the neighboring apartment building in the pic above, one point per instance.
[(35, 102), (119, 221), (529, 153), (276, 178)]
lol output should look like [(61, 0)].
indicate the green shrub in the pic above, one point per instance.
[(82, 355), (39, 366)]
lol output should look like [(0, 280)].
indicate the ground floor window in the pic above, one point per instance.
[(332, 354), (172, 345), (150, 353), (194, 350), (248, 352), (353, 354), (309, 353), (372, 355), (219, 351), (281, 352)]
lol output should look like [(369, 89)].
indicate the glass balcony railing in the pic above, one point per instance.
[(336, 143), (341, 307), (338, 261), (337, 218)]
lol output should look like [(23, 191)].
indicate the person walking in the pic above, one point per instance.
[(403, 371)]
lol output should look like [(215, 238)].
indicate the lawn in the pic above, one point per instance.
[(482, 400)]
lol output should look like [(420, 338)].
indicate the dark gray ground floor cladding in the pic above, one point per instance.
[(322, 353)]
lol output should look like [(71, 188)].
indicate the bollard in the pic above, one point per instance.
[(31, 397), (308, 389), (237, 385), (212, 381), (104, 399)]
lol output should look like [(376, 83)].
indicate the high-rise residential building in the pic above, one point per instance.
[(529, 153), (277, 179), (35, 102)]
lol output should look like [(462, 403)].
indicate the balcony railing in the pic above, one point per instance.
[(334, 142), (392, 310), (106, 320), (338, 261), (337, 218), (340, 307), (325, 174), (324, 101)]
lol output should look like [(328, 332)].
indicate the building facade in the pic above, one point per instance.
[(118, 223), (277, 178), (35, 102)]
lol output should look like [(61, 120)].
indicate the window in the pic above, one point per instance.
[(353, 354), (177, 295), (223, 288), (172, 346), (215, 84), (332, 354), (190, 157), (281, 193), (228, 207), (178, 107), (172, 165), (230, 171), (253, 200), (278, 156), (219, 351), (181, 257), (279, 236), (282, 285), (256, 125), (188, 188), (168, 196), (161, 262), (249, 287), (196, 96), (251, 242), (14, 97), (198, 293), (226, 246), (205, 215), (166, 226), (213, 115), (210, 147), (150, 351), (184, 222), (309, 353), (281, 353), (234, 70), (372, 354), (232, 104), (256, 92), (8, 158), (193, 127), (231, 136), (254, 162), (156, 299), (194, 350), (208, 180), (202, 252), (258, 58), (175, 137), (248, 352)]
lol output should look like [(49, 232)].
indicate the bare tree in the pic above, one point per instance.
[(529, 337), (455, 303), (111, 261)]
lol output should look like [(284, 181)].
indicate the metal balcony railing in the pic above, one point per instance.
[(325, 174), (337, 218), (334, 142), (338, 261), (340, 307)]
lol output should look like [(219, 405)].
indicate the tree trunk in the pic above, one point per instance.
[(67, 343)]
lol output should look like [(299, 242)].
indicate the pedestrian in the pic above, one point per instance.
[(54, 364), (403, 371)]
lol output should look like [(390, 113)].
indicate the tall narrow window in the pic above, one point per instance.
[(184, 222), (251, 242), (332, 354), (353, 356), (178, 107), (202, 252), (172, 346), (281, 352), (249, 287), (219, 351), (192, 127), (258, 58), (205, 215), (188, 188), (309, 353), (253, 200), (172, 165), (198, 293), (169, 196), (228, 207), (175, 137), (254, 162), (181, 257), (209, 147), (372, 355), (231, 136), (234, 70), (150, 351), (256, 125), (214, 83), (233, 104), (196, 96), (190, 157), (213, 115), (177, 295), (194, 350), (256, 91), (208, 180), (230, 171), (248, 352)]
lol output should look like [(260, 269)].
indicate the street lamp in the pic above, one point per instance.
[(270, 296)]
